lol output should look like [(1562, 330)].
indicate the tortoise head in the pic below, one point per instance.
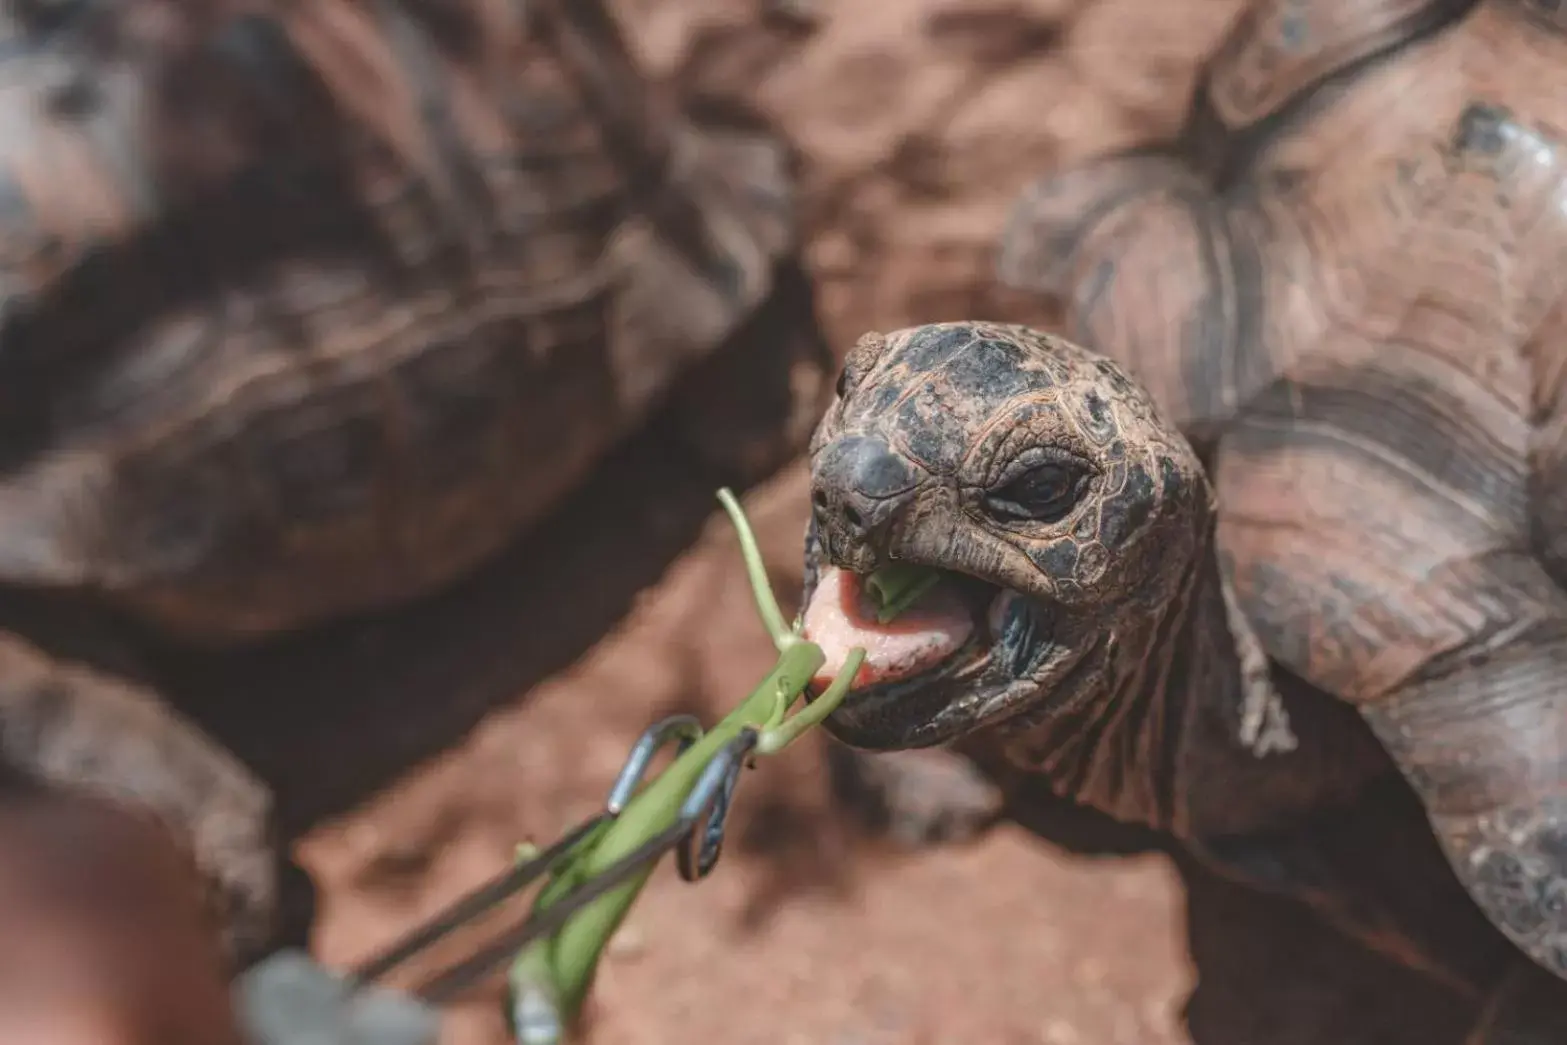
[(1067, 518)]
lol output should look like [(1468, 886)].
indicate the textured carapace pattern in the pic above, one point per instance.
[(308, 307), (1346, 280), (931, 425)]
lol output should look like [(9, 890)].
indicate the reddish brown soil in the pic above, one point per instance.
[(921, 120)]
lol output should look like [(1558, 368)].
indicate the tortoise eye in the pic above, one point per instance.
[(843, 381), (1042, 494)]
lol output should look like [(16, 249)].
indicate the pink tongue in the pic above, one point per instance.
[(841, 617)]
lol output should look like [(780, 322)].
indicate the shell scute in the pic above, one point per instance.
[(380, 285)]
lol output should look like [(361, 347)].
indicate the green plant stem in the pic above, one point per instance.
[(558, 971), (813, 714), (756, 571), (576, 949), (897, 587)]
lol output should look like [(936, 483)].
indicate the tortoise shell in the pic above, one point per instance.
[(309, 307), (1346, 281)]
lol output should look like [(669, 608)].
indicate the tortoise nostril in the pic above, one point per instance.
[(859, 483)]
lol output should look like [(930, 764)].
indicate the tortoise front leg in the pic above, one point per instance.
[(1372, 870), (1481, 734), (68, 725), (1318, 816), (1401, 903)]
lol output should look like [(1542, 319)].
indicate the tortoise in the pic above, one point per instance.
[(310, 308), (1291, 518)]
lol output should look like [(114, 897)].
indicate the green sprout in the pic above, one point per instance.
[(897, 587), (551, 977)]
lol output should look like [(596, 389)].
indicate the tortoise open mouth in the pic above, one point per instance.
[(933, 673)]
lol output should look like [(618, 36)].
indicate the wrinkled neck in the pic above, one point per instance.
[(1113, 740), (1192, 733)]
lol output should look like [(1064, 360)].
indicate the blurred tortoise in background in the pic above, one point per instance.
[(1321, 542), (309, 308)]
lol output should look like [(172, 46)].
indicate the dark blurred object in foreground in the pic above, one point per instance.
[(104, 938)]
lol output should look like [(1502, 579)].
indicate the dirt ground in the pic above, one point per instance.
[(920, 120)]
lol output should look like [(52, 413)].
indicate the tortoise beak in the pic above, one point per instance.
[(859, 487)]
